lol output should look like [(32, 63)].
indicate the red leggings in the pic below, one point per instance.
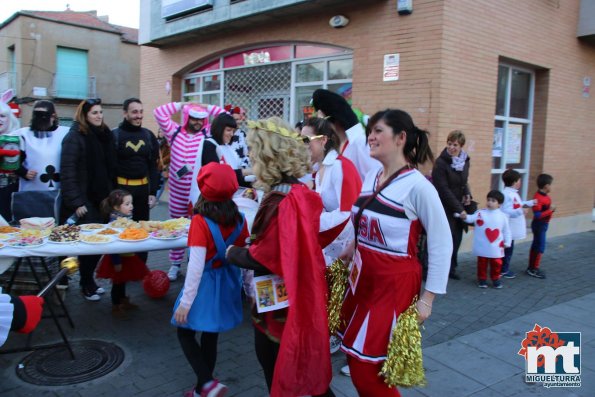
[(482, 268), (366, 380)]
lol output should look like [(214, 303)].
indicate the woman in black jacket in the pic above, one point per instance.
[(449, 176), (88, 167)]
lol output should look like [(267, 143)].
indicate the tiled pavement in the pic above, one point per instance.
[(470, 342)]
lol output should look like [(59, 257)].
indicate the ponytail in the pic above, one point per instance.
[(417, 147)]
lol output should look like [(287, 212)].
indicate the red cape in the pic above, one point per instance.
[(289, 247)]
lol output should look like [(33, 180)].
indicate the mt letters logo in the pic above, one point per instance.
[(553, 358)]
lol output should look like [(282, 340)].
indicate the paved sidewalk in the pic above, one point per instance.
[(470, 342)]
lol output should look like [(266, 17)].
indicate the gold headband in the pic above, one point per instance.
[(269, 126)]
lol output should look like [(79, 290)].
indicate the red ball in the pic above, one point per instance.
[(156, 284)]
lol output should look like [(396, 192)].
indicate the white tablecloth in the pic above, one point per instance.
[(8, 254), (80, 248)]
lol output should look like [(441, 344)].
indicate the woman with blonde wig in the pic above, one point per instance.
[(291, 344)]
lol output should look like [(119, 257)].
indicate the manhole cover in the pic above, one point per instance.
[(55, 367)]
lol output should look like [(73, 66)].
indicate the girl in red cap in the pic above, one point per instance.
[(292, 344), (210, 301)]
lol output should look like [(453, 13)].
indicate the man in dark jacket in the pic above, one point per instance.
[(137, 151)]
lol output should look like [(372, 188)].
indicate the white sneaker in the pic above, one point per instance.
[(173, 273), (100, 291), (345, 370)]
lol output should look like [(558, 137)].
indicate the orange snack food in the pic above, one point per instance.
[(9, 229), (134, 234)]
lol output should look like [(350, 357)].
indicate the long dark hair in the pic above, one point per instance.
[(218, 127), (115, 199), (80, 115), (324, 127), (417, 148), (224, 213)]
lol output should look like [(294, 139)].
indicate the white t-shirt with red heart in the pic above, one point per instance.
[(491, 234)]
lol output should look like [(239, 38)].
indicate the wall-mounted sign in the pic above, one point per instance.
[(174, 8), (391, 67), (40, 91), (514, 140), (257, 57), (586, 86)]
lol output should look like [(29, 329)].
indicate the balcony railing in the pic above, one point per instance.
[(8, 80), (74, 87)]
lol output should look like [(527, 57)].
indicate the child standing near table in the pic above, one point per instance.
[(515, 208), (490, 236), (543, 210), (210, 301), (120, 268)]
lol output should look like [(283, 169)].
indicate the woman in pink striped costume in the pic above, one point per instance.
[(184, 141)]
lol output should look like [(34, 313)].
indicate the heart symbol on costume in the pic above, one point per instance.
[(479, 222), (516, 205), (492, 234)]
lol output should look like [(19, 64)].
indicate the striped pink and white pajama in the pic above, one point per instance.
[(183, 153)]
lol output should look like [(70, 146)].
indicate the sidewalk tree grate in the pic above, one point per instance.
[(55, 366)]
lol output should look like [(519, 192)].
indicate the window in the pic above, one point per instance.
[(271, 80), (513, 123), (71, 80)]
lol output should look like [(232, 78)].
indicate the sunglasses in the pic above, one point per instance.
[(308, 139), (93, 101)]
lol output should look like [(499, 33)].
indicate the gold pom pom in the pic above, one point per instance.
[(404, 364), (336, 276)]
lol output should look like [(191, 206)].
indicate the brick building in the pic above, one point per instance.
[(67, 56), (515, 76)]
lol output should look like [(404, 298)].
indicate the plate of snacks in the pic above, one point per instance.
[(96, 239), (165, 234), (133, 234), (91, 227), (25, 242), (173, 224), (65, 234), (5, 236), (108, 232), (9, 229), (151, 226), (124, 223), (35, 232)]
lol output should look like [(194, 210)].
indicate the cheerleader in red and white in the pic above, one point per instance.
[(183, 141), (490, 236), (338, 183), (396, 202)]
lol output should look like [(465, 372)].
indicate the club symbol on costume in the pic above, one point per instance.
[(136, 147), (50, 176), (492, 234)]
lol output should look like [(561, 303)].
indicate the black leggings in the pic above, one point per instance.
[(118, 293), (202, 358), (267, 352)]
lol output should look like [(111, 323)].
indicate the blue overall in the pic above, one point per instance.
[(218, 303)]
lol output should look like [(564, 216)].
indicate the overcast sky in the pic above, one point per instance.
[(121, 12)]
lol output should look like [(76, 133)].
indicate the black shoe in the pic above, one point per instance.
[(454, 276), (535, 273)]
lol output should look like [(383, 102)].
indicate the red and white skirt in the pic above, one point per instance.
[(385, 289)]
